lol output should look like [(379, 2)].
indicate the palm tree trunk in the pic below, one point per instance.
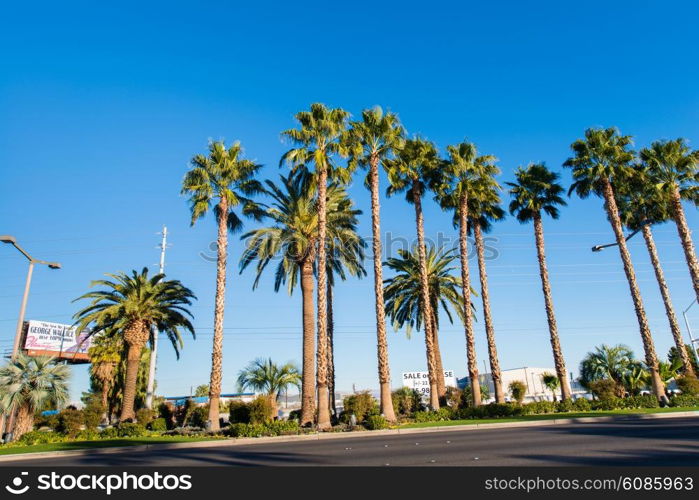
[(273, 405), (24, 422), (386, 401), (331, 350), (439, 367), (466, 294), (133, 361), (665, 293), (219, 306), (425, 300), (648, 346), (558, 359), (487, 318), (322, 325), (308, 383), (686, 239)]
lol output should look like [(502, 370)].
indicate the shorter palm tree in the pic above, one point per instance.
[(106, 352), (606, 362), (552, 382), (133, 307), (29, 383), (265, 376)]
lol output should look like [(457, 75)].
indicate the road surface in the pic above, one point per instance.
[(673, 441)]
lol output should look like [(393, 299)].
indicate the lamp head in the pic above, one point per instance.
[(6, 238), (597, 248), (54, 265)]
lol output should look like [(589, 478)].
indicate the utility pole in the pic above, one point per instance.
[(154, 352)]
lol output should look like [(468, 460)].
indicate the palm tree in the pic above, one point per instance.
[(537, 190), (601, 160), (106, 352), (318, 142), (412, 171), (606, 362), (265, 376), (132, 307), (484, 208), (225, 179), (672, 167), (464, 171), (292, 240), (27, 384), (635, 378), (373, 139), (641, 206), (552, 382)]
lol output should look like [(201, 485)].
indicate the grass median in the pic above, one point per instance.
[(547, 416)]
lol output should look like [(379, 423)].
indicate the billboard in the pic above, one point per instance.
[(421, 383), (55, 339)]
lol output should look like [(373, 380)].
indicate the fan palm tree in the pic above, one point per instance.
[(641, 206), (635, 378), (132, 306), (226, 180), (27, 384), (552, 382), (484, 208), (411, 172), (464, 171), (317, 142), (372, 140), (291, 239), (601, 160), (265, 376), (106, 352), (672, 169), (537, 190), (606, 362)]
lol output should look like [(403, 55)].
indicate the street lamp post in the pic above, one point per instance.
[(689, 330)]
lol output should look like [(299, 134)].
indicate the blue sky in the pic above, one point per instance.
[(102, 106)]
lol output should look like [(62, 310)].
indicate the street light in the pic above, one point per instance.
[(599, 248), (686, 322), (11, 240)]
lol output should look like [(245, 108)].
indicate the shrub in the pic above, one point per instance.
[(376, 422), (70, 422), (607, 403), (642, 401), (565, 406), (582, 404), (130, 429), (144, 416), (434, 416), (261, 410), (184, 412), (467, 399), (40, 437), (295, 415), (539, 408), (88, 435), (283, 427), (185, 431), (406, 401), (158, 425), (454, 397), (245, 430), (361, 404), (109, 433), (604, 388), (499, 410), (50, 421), (199, 417), (517, 390), (167, 412), (93, 412), (239, 412), (684, 400), (688, 385)]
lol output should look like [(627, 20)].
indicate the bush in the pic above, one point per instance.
[(261, 410), (271, 428), (40, 437), (565, 406), (199, 417), (184, 412), (295, 415), (283, 427), (376, 422), (539, 408), (688, 385), (158, 425), (684, 400), (406, 401), (70, 422), (500, 410), (144, 416), (517, 390), (604, 388), (642, 401), (167, 412), (130, 429), (361, 404), (109, 433), (454, 398), (88, 435), (440, 415), (50, 421), (582, 404), (93, 412), (607, 403), (239, 412)]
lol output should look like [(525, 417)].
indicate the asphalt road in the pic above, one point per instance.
[(648, 442)]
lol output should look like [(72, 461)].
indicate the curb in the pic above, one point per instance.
[(343, 435)]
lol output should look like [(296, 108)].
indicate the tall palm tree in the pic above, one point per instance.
[(317, 142), (537, 190), (641, 206), (265, 376), (463, 172), (132, 306), (372, 140), (484, 208), (672, 168), (291, 240), (411, 172), (27, 384), (226, 180), (106, 352), (601, 160)]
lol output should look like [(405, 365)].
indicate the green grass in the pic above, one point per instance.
[(548, 416), (102, 443)]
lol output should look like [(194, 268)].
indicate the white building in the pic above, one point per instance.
[(531, 377)]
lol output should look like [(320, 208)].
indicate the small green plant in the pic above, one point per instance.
[(376, 422), (130, 429), (582, 404), (70, 422), (239, 412), (109, 433), (517, 390), (167, 411), (261, 410), (93, 412), (684, 401), (40, 437), (406, 401), (688, 385), (158, 425), (565, 406), (361, 404), (144, 416), (604, 388)]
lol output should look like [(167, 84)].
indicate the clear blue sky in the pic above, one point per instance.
[(102, 106)]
